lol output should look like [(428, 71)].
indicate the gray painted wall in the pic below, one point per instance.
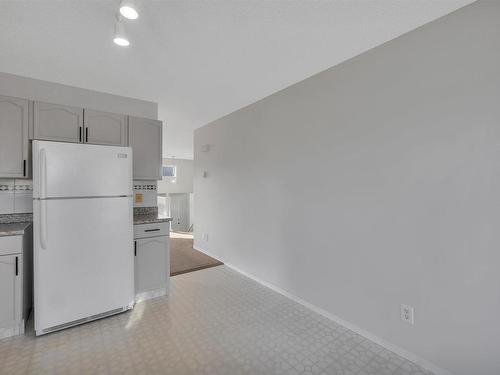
[(372, 184), (184, 179), (34, 89)]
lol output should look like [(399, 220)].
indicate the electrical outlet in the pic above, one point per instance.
[(406, 314), (204, 236)]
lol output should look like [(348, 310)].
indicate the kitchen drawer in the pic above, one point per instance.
[(151, 230), (11, 245)]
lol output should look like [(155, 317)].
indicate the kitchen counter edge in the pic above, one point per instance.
[(13, 229), (150, 219)]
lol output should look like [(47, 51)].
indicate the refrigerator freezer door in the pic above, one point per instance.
[(80, 170), (86, 264)]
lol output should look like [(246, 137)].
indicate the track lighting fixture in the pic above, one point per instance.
[(128, 9), (120, 38)]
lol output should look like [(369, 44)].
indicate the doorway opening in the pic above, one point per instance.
[(183, 257)]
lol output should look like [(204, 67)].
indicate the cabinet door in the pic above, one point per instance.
[(152, 264), (10, 290), (145, 137), (103, 128), (13, 137), (54, 122)]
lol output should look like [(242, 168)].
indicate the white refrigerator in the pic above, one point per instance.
[(83, 233)]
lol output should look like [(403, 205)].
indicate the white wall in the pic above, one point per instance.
[(372, 184), (16, 196), (145, 194), (184, 179), (34, 89)]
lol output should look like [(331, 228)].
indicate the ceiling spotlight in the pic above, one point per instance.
[(128, 9), (120, 36)]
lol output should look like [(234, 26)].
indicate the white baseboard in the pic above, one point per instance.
[(376, 339), (144, 296), (14, 330)]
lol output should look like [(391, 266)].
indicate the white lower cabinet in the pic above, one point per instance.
[(10, 292), (15, 283), (152, 261)]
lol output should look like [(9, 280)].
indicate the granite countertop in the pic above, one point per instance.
[(13, 229), (149, 215), (150, 218), (16, 224)]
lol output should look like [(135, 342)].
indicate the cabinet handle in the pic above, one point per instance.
[(80, 133), (152, 230), (24, 168), (17, 266), (86, 134), (135, 248)]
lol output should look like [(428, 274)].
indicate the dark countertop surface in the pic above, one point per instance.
[(13, 229), (16, 218), (150, 218)]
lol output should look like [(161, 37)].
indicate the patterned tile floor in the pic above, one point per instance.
[(216, 321)]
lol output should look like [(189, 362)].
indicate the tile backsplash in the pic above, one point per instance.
[(16, 196), (145, 194)]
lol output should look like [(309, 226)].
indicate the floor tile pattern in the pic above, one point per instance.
[(215, 321)]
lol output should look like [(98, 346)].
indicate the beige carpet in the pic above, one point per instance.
[(183, 258)]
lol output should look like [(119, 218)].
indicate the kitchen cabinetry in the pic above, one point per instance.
[(145, 136), (103, 128), (10, 290), (54, 122), (22, 120), (15, 282), (152, 260), (14, 138)]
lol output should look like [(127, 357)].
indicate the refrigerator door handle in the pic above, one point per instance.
[(42, 188), (43, 224)]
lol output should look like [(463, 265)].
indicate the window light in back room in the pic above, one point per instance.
[(169, 173)]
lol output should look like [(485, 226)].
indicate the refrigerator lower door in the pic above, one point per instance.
[(83, 260)]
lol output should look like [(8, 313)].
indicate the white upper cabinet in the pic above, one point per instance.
[(22, 120), (54, 122), (145, 137), (14, 138), (103, 128)]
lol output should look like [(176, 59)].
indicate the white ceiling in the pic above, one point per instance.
[(199, 60)]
